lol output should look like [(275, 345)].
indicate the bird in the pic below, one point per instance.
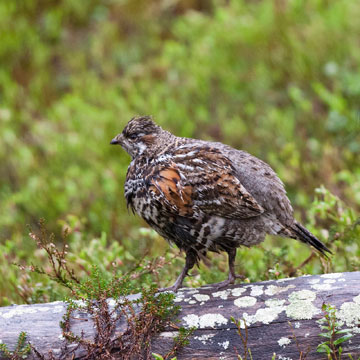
[(205, 196)]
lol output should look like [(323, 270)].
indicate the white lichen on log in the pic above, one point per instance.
[(267, 307)]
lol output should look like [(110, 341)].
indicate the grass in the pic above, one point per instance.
[(278, 79)]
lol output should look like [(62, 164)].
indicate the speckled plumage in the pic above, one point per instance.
[(204, 196)]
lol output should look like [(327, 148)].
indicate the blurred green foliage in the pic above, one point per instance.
[(278, 78)]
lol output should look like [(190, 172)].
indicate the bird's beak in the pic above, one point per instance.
[(116, 140)]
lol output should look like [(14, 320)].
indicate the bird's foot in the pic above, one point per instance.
[(177, 284), (223, 284), (172, 288), (229, 281), (190, 261)]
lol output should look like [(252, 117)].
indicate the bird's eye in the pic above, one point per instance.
[(132, 136)]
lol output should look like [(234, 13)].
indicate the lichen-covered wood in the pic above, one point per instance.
[(267, 307)]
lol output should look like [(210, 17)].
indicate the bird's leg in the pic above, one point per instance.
[(189, 264), (232, 276)]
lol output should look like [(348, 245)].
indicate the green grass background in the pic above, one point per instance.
[(277, 78)]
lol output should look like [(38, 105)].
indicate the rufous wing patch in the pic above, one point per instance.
[(216, 190), (167, 184), (203, 181)]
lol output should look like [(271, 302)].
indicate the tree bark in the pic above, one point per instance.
[(274, 311)]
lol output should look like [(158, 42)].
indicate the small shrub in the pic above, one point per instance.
[(21, 351), (107, 303), (333, 333)]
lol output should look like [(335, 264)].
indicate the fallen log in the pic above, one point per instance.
[(275, 313)]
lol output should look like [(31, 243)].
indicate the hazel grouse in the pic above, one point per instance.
[(205, 196)]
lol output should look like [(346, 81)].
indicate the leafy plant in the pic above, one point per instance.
[(144, 317), (333, 333), (20, 352)]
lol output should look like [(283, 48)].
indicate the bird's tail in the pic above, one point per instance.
[(307, 237)]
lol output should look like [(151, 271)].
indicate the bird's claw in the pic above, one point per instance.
[(229, 281)]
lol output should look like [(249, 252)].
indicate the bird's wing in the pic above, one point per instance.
[(197, 179)]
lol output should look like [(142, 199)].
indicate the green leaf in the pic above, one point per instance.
[(323, 348), (342, 339), (157, 356)]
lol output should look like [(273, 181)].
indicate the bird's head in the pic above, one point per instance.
[(139, 135)]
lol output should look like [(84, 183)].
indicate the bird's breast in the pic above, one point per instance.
[(139, 198)]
